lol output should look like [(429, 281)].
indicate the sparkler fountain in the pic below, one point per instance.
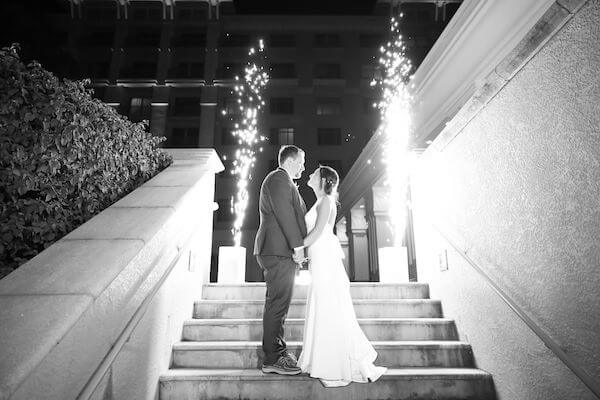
[(232, 259), (395, 109)]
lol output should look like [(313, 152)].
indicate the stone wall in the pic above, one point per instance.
[(64, 312), (517, 189)]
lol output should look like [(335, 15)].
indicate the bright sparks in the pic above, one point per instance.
[(250, 101), (396, 124)]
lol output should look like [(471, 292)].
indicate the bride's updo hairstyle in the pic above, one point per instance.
[(329, 180)]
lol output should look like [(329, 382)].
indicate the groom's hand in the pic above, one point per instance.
[(298, 256)]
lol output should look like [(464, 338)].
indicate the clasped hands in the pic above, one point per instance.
[(299, 257)]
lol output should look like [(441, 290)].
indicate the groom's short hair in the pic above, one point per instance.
[(288, 151)]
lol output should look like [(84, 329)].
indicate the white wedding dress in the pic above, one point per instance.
[(335, 349)]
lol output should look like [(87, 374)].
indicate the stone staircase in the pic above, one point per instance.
[(220, 353)]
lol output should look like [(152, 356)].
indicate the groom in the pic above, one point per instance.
[(278, 249)]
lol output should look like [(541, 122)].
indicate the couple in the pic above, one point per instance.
[(334, 349)]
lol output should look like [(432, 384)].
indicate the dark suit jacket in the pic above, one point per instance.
[(282, 226)]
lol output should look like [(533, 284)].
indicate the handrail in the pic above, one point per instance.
[(587, 380), (100, 372)]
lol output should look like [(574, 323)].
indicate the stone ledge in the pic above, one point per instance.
[(62, 311)]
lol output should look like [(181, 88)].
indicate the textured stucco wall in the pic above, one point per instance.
[(519, 190)]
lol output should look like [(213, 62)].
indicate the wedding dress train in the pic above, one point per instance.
[(335, 349)]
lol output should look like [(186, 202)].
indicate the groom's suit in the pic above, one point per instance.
[(281, 230)]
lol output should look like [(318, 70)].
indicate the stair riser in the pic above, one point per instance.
[(300, 292), (295, 331), (300, 389), (456, 357), (383, 310)]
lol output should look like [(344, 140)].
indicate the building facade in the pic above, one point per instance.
[(174, 64)]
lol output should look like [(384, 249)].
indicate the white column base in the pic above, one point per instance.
[(232, 264), (393, 265)]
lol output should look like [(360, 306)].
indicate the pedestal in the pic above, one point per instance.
[(393, 265), (232, 264)]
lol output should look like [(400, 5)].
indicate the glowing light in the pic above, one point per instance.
[(248, 92), (395, 109)]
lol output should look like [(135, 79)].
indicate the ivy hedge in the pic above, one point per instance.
[(64, 157)]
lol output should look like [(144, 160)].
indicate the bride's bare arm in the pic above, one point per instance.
[(323, 211)]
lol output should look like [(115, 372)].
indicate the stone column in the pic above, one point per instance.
[(160, 106), (164, 52), (118, 52), (209, 102), (372, 237), (358, 244)]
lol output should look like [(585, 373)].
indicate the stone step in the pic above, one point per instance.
[(378, 308), (374, 329), (397, 384), (392, 354), (358, 290)]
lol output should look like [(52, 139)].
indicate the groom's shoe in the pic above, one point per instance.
[(283, 366)]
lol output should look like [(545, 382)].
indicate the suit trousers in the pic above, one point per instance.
[(279, 273)]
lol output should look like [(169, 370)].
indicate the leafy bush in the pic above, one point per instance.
[(64, 156)]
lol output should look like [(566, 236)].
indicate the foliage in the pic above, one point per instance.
[(64, 156)]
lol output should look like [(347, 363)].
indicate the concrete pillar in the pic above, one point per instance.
[(160, 106), (210, 93), (164, 53), (208, 116), (372, 238), (118, 52), (358, 244)]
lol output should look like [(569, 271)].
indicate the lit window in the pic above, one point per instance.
[(281, 105), (140, 109), (329, 136), (327, 71), (281, 136), (329, 106), (327, 40)]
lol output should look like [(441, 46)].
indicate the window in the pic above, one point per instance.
[(230, 106), (187, 70), (368, 106), (370, 40), (235, 40), (146, 12), (327, 40), (186, 106), (281, 105), (329, 136), (143, 70), (139, 109), (281, 136), (99, 38), (183, 137), (368, 71), (230, 70), (144, 38), (282, 71), (227, 138), (282, 40), (225, 211), (335, 164), (327, 71), (189, 38), (190, 12), (98, 70), (100, 12), (329, 106)]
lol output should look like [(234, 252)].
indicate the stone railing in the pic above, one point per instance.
[(95, 314)]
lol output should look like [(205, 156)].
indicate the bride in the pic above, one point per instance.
[(335, 349)]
